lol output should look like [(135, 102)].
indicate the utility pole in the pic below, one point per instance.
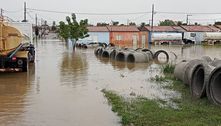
[(1, 17), (187, 19), (25, 12), (36, 20), (151, 27)]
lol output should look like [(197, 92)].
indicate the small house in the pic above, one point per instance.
[(127, 36), (97, 34)]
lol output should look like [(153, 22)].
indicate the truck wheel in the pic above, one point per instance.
[(25, 65)]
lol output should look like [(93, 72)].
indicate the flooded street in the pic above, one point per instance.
[(63, 87)]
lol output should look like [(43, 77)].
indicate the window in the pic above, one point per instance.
[(119, 37)]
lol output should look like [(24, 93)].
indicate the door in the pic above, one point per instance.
[(143, 41), (134, 41)]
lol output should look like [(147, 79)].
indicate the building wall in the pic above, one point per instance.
[(143, 42), (125, 39), (102, 37)]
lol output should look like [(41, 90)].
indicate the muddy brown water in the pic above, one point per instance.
[(64, 86)]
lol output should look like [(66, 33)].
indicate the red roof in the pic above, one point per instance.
[(165, 28), (215, 29), (123, 28), (218, 26), (178, 28), (194, 28), (97, 29)]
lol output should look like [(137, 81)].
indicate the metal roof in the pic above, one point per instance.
[(165, 28), (123, 28), (195, 28), (97, 29)]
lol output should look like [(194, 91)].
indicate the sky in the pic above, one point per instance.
[(98, 9)]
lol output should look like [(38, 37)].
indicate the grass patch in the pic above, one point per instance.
[(145, 112), (168, 68)]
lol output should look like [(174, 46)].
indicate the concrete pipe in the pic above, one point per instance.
[(114, 53), (213, 87), (199, 79), (156, 55), (139, 57), (122, 55), (207, 59), (97, 51), (179, 71), (106, 53)]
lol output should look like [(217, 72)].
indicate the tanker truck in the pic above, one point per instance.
[(167, 38), (15, 51), (212, 38)]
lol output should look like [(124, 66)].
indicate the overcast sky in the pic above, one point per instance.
[(14, 10)]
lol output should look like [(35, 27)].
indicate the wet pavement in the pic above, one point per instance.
[(64, 86)]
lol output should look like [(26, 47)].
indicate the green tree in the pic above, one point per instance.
[(167, 22), (73, 29), (64, 30), (144, 24)]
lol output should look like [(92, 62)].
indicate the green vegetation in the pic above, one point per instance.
[(73, 29), (168, 68), (145, 112)]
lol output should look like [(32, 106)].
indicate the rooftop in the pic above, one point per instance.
[(123, 28)]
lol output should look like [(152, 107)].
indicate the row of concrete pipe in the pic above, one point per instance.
[(203, 76), (138, 55)]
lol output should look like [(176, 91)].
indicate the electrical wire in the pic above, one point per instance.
[(65, 12)]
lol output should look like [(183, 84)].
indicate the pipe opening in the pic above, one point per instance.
[(105, 54), (131, 58), (97, 51), (198, 81), (100, 51), (113, 54), (216, 87), (120, 57)]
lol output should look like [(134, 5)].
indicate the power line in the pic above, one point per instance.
[(16, 11), (65, 12), (210, 13)]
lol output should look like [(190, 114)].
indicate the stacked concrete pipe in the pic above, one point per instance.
[(123, 54), (213, 88), (138, 55), (203, 76), (107, 51)]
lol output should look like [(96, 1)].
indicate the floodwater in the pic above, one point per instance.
[(63, 87)]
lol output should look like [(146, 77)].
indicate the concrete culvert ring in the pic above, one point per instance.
[(156, 56), (131, 58), (214, 87), (138, 49), (147, 50), (113, 54), (96, 51), (197, 82), (120, 56), (105, 54), (100, 52)]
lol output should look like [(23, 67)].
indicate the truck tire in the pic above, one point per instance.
[(25, 65)]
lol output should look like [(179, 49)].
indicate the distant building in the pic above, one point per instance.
[(126, 36), (96, 34)]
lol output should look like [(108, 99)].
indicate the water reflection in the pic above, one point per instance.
[(73, 67), (14, 88)]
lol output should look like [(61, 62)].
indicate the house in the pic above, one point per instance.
[(164, 34), (197, 33), (96, 34), (127, 36)]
